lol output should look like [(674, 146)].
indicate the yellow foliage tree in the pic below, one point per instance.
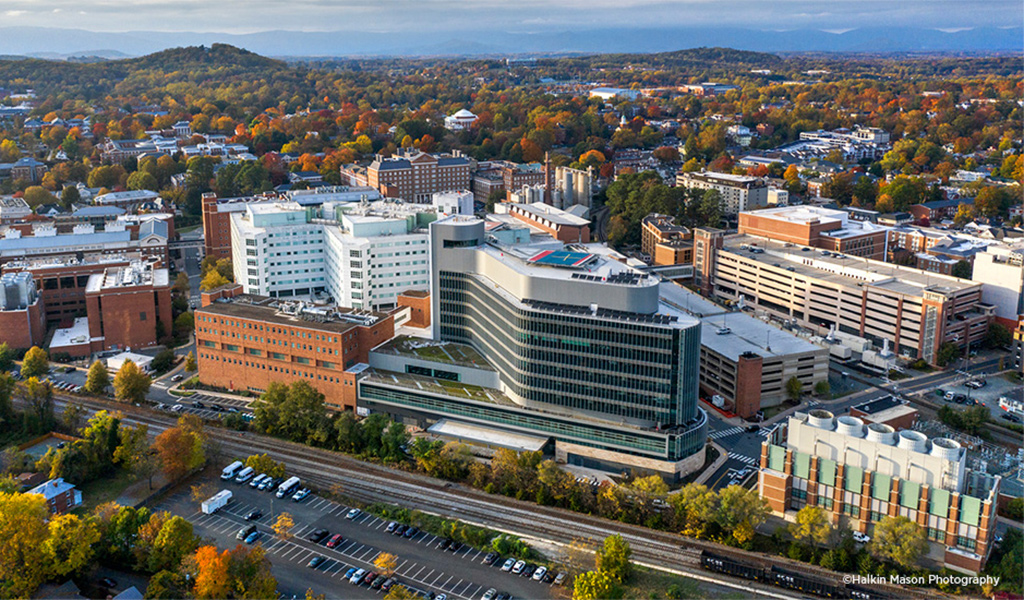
[(386, 563), (283, 525)]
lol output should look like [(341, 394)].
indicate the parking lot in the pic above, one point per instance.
[(995, 387), (422, 566), (208, 406)]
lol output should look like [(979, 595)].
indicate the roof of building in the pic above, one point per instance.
[(540, 210), (57, 241), (489, 436), (937, 204), (678, 297), (464, 114), (294, 314), (734, 334), (98, 211), (75, 335), (723, 178), (52, 488), (127, 196), (133, 275), (664, 223), (443, 352)]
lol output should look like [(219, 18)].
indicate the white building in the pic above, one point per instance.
[(13, 209), (739, 192), (455, 202), (362, 255), (607, 93), (1000, 270), (460, 120)]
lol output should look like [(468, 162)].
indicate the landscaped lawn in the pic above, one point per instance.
[(104, 489)]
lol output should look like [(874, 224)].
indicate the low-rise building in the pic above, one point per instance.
[(60, 495), (889, 410), (455, 202), (128, 307), (562, 226), (245, 342), (863, 473), (416, 176), (22, 316), (610, 93), (83, 242), (817, 227), (665, 242), (13, 209)]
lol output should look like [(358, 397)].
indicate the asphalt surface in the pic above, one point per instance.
[(421, 565)]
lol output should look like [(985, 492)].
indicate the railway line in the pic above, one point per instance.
[(369, 482)]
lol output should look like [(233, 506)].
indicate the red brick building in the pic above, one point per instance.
[(217, 221), (816, 227), (563, 226), (665, 242), (245, 342), (418, 302), (128, 307), (21, 311), (60, 495), (417, 176)]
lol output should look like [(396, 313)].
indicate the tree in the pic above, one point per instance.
[(613, 558), (141, 180), (184, 324), (69, 547), (283, 525), (947, 353), (998, 336), (135, 453), (97, 380), (822, 389), (130, 383), (7, 386), (812, 525), (898, 540), (262, 463), (39, 397), (6, 357), (794, 388), (211, 573), (181, 451), (181, 284), (23, 530), (166, 585), (190, 362), (579, 556), (964, 215), (212, 280), (740, 511), (163, 361), (962, 269), (386, 563), (594, 585), (694, 508), (35, 364), (36, 196), (249, 570)]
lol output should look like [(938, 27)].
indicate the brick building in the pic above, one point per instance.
[(128, 307), (818, 228), (563, 226), (244, 342), (21, 311), (417, 176), (862, 473), (60, 495), (665, 242), (886, 411), (418, 302), (217, 221)]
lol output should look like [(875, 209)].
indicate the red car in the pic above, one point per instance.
[(335, 540)]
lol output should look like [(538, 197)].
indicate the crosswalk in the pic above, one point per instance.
[(763, 432), (743, 459)]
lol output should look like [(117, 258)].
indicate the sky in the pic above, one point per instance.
[(529, 16)]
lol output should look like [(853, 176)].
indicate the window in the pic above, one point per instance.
[(142, 316)]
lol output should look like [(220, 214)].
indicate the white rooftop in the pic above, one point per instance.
[(749, 334), (487, 435), (75, 335)]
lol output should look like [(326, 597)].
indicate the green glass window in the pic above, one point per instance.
[(802, 465), (880, 486), (938, 504), (910, 494), (827, 472), (970, 510), (853, 479), (776, 458)]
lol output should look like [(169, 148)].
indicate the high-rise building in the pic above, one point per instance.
[(362, 255), (128, 307), (866, 472), (1000, 270), (576, 346), (21, 311)]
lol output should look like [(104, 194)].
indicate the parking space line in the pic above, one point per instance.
[(382, 523), (316, 503), (445, 581), (369, 551), (455, 586), (422, 567), (466, 591), (339, 508), (403, 564)]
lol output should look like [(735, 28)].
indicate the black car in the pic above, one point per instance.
[(443, 545), (108, 582), (217, 407), (503, 596), (411, 532), (959, 398), (753, 428), (528, 570), (377, 582), (400, 530), (198, 404), (455, 546), (253, 515), (1010, 418), (318, 535), (491, 558)]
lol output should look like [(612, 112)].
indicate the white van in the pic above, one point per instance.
[(257, 480), (231, 471), (245, 475)]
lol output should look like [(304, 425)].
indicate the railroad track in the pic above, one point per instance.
[(370, 482)]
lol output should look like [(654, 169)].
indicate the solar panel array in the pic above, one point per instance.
[(624, 278)]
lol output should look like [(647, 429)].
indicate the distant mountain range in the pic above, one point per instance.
[(78, 44)]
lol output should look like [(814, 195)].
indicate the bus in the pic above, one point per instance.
[(231, 470), (288, 487), (1011, 406)]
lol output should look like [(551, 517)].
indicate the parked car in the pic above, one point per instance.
[(391, 527), (350, 573), (198, 404), (443, 544), (490, 558), (245, 531), (251, 539), (335, 540), (301, 494), (509, 563), (316, 562), (400, 530), (519, 566), (352, 514), (411, 532), (489, 594), (177, 377), (538, 575), (318, 535), (1010, 417), (254, 515), (455, 546), (370, 578), (560, 578), (860, 537), (108, 582), (387, 585), (528, 570), (377, 583), (357, 577)]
